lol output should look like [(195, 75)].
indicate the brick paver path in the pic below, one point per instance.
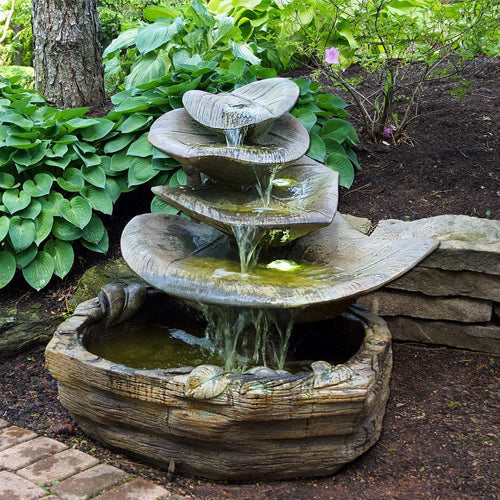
[(33, 467)]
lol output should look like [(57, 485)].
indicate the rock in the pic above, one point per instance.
[(24, 327), (394, 302), (432, 281), (112, 271), (466, 336), (466, 243)]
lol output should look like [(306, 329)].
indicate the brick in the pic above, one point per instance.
[(138, 488), (13, 487), (89, 482), (58, 466), (23, 454), (10, 436)]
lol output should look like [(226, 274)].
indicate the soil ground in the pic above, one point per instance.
[(441, 430)]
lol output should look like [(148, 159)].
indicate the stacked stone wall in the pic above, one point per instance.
[(453, 296)]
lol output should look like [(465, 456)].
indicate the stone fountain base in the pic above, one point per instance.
[(215, 424)]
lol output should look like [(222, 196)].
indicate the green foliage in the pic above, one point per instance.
[(17, 47), (59, 170), (176, 38)]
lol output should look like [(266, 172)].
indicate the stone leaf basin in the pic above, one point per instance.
[(193, 146), (335, 264), (260, 425), (303, 199), (253, 107)]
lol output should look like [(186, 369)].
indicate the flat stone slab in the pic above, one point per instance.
[(466, 243), (13, 435), (135, 490), (13, 487), (58, 466), (23, 454), (484, 338), (89, 482), (437, 282), (399, 303)]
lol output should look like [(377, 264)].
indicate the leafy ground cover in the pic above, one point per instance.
[(441, 431)]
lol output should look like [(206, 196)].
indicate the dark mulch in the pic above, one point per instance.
[(441, 430)]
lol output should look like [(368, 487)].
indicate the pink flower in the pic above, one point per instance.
[(332, 55), (389, 130)]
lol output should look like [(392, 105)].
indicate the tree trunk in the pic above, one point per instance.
[(67, 53)]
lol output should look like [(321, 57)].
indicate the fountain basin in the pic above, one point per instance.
[(265, 425)]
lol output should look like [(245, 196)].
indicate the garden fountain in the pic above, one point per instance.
[(272, 269)]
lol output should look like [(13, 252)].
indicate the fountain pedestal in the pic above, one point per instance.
[(222, 425)]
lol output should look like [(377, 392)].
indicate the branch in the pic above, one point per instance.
[(7, 21)]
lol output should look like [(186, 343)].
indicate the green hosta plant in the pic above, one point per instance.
[(60, 170)]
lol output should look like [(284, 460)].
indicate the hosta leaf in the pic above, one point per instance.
[(243, 51), (341, 164), (153, 36), (20, 142), (135, 122), (67, 139), (32, 210), (140, 171), (72, 180), (26, 256), (15, 200), (50, 203), (98, 130), (62, 254), (113, 189), (99, 199), (153, 12), (340, 130), (131, 105), (306, 117), (159, 206), (122, 141), (179, 178), (329, 102), (21, 233), (7, 181), (94, 175), (77, 211), (57, 151), (101, 247), (62, 162), (317, 148), (94, 230), (145, 70), (7, 268), (64, 230), (141, 147), (76, 123), (43, 226), (16, 119), (38, 186), (4, 227), (39, 271), (120, 162), (124, 40)]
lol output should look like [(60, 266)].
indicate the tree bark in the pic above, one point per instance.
[(67, 53)]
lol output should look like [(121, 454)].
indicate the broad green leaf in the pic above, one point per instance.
[(72, 180), (43, 226), (243, 51), (7, 268), (94, 175), (21, 233), (113, 189), (341, 164), (132, 104), (62, 254), (62, 162), (145, 70), (67, 114), (4, 227), (153, 36), (317, 148), (38, 186), (99, 199), (7, 181), (120, 161), (329, 102), (64, 230), (90, 159), (124, 40), (15, 200), (306, 117), (153, 12), (20, 142), (340, 130), (118, 144), (16, 119), (77, 211), (67, 139), (101, 247), (135, 122), (31, 211), (57, 151), (141, 147), (26, 256), (76, 123), (179, 178), (94, 230), (159, 206), (98, 130), (140, 171), (39, 271), (50, 202)]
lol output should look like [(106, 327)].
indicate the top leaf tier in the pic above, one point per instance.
[(252, 107)]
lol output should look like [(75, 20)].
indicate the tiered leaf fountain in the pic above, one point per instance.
[(288, 379)]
